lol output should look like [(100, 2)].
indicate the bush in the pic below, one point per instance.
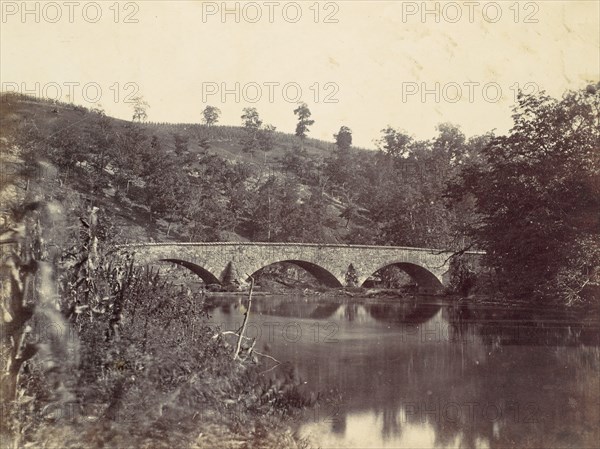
[(147, 370)]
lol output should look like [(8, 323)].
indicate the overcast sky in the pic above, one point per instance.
[(362, 64)]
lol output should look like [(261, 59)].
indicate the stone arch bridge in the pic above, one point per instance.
[(332, 264)]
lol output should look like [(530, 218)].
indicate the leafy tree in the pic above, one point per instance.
[(342, 169), (407, 182), (266, 141), (450, 142), (130, 142), (343, 139), (66, 147), (167, 194), (314, 211), (210, 115), (537, 197), (394, 143), (167, 186), (258, 137), (251, 119), (140, 109), (281, 214), (219, 198), (304, 120), (252, 123), (237, 195), (297, 161), (101, 149)]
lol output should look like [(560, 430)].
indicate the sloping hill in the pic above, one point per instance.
[(224, 140), (32, 125)]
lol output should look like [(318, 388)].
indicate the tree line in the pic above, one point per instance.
[(530, 198)]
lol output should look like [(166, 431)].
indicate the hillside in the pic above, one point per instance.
[(42, 129), (161, 182), (224, 140)]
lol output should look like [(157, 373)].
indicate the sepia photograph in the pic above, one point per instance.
[(300, 224)]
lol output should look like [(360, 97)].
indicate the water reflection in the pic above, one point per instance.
[(423, 374)]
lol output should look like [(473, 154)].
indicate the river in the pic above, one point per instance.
[(422, 373)]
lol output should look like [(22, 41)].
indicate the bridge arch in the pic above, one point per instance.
[(321, 274), (203, 273), (425, 279)]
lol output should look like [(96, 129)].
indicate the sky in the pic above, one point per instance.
[(361, 64)]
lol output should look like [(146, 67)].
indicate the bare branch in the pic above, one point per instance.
[(246, 315)]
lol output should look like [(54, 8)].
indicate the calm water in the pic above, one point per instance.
[(410, 374)]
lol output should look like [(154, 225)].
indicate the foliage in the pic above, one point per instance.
[(394, 143), (333, 192), (391, 277), (537, 196), (258, 137), (210, 115), (343, 139), (279, 213), (304, 120), (32, 329), (251, 119), (181, 143), (306, 167), (99, 352), (150, 371), (140, 109), (351, 277)]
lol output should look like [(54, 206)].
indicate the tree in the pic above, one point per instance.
[(343, 139), (66, 146), (450, 141), (340, 168), (211, 115), (304, 121), (219, 198), (266, 141), (166, 184), (258, 137), (408, 180), (101, 150), (167, 191), (140, 109), (297, 161), (394, 143), (252, 123), (250, 119), (281, 214), (537, 196), (130, 143)]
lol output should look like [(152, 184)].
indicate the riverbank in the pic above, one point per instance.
[(351, 292), (501, 305)]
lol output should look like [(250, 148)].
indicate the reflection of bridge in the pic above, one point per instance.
[(333, 265), (409, 311)]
